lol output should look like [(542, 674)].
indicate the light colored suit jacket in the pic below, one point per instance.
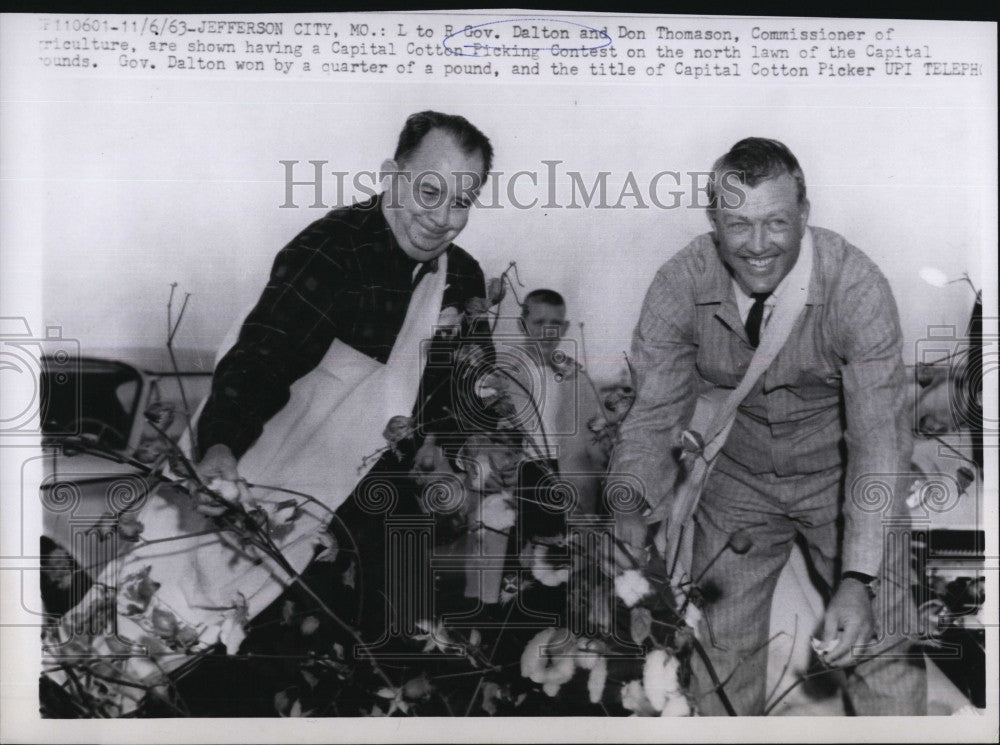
[(833, 396)]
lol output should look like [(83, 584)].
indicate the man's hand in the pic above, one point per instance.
[(220, 463), (849, 621)]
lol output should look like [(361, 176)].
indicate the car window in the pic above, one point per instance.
[(97, 402)]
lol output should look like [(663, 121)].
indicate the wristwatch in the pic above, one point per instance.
[(870, 582)]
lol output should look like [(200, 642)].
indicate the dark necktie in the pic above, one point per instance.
[(755, 317)]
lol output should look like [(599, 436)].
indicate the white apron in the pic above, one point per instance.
[(316, 444)]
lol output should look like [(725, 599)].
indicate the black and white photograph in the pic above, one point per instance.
[(441, 366)]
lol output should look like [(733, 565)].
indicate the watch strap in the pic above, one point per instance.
[(865, 579), (870, 582)]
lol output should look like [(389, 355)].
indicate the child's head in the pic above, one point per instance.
[(544, 314)]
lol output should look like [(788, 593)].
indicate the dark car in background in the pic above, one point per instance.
[(100, 418)]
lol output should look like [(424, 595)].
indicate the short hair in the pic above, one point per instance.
[(756, 159), (468, 137), (546, 297)]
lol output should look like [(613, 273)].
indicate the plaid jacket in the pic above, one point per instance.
[(343, 277)]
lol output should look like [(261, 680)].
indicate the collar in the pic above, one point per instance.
[(421, 269), (744, 302)]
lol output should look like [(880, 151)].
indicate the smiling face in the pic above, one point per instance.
[(759, 241), (430, 193)]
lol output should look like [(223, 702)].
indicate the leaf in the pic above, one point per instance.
[(641, 624), (495, 290), (164, 623), (476, 306), (349, 576), (211, 510), (309, 678), (240, 608), (330, 548), (130, 527), (509, 588), (417, 688), (287, 612), (187, 636), (161, 414), (491, 694), (282, 702), (283, 513)]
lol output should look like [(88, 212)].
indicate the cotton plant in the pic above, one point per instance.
[(632, 645), (632, 614)]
